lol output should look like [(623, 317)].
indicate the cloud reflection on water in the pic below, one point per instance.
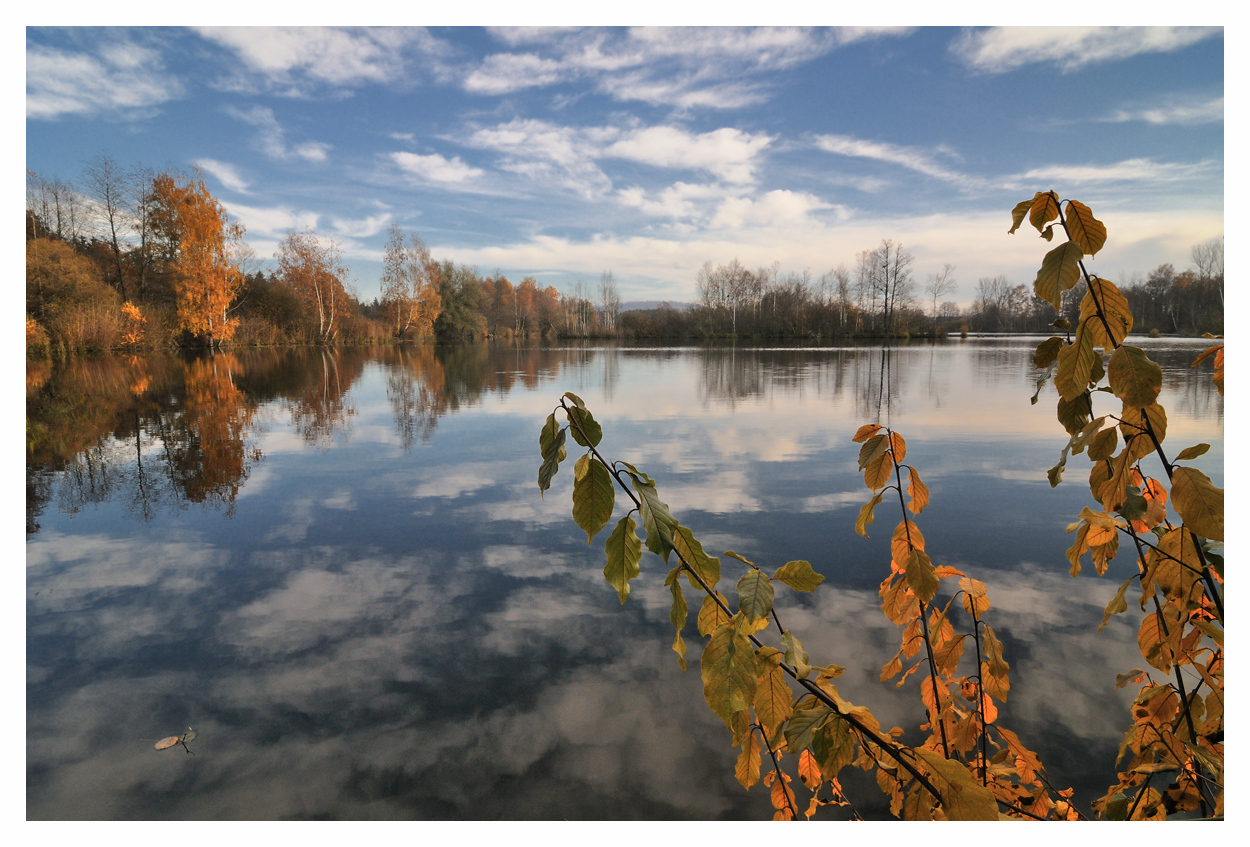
[(406, 629)]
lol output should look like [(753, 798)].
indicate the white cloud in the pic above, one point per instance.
[(554, 154), (685, 67), (226, 174), (678, 201), (294, 60), (121, 77), (773, 209), (1139, 171), (506, 72), (568, 156), (908, 157), (728, 153), (1002, 49), (350, 228), (435, 168), (272, 137), (1174, 111), (272, 222)]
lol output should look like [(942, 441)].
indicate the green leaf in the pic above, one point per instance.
[(834, 747), (755, 595), (624, 550), (962, 797), (551, 442), (1058, 273), (731, 554), (729, 671), (921, 576), (656, 519), (1199, 502), (1192, 452), (1134, 378), (677, 616), (593, 496), (707, 567), (577, 401), (796, 656), (803, 724), (1075, 364), (712, 614), (1084, 228), (865, 514), (1074, 413), (1046, 352), (1102, 445), (579, 416), (799, 576), (1115, 308)]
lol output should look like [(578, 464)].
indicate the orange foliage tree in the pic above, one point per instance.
[(315, 271), (202, 246)]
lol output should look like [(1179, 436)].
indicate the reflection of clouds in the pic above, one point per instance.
[(495, 674), (839, 500), (462, 480)]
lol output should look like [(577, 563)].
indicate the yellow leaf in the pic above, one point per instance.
[(898, 447), (1115, 309), (809, 771), (865, 432), (918, 492), (1199, 502), (1086, 230), (962, 797), (748, 768)]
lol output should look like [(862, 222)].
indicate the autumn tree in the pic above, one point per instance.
[(409, 296), (315, 271), (201, 248)]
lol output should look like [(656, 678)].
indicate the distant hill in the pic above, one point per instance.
[(641, 305)]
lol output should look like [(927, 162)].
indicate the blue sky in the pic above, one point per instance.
[(565, 152)]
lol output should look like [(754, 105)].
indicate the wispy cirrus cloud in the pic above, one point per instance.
[(1144, 172), (571, 155), (716, 67), (1002, 49), (228, 175), (912, 158), (271, 137), (295, 61), (1175, 110), (117, 76)]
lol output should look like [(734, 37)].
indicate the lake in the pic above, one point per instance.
[(336, 566)]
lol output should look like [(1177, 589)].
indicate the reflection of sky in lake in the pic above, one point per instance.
[(390, 631)]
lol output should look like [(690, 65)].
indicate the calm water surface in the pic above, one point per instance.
[(336, 567)]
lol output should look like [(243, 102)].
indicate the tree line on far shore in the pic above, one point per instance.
[(141, 258)]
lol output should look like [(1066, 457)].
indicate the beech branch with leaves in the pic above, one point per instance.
[(1177, 729), (968, 767)]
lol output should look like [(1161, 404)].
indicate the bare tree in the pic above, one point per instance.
[(940, 284), (1208, 259), (609, 300), (108, 187)]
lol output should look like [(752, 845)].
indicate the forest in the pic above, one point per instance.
[(132, 258)]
